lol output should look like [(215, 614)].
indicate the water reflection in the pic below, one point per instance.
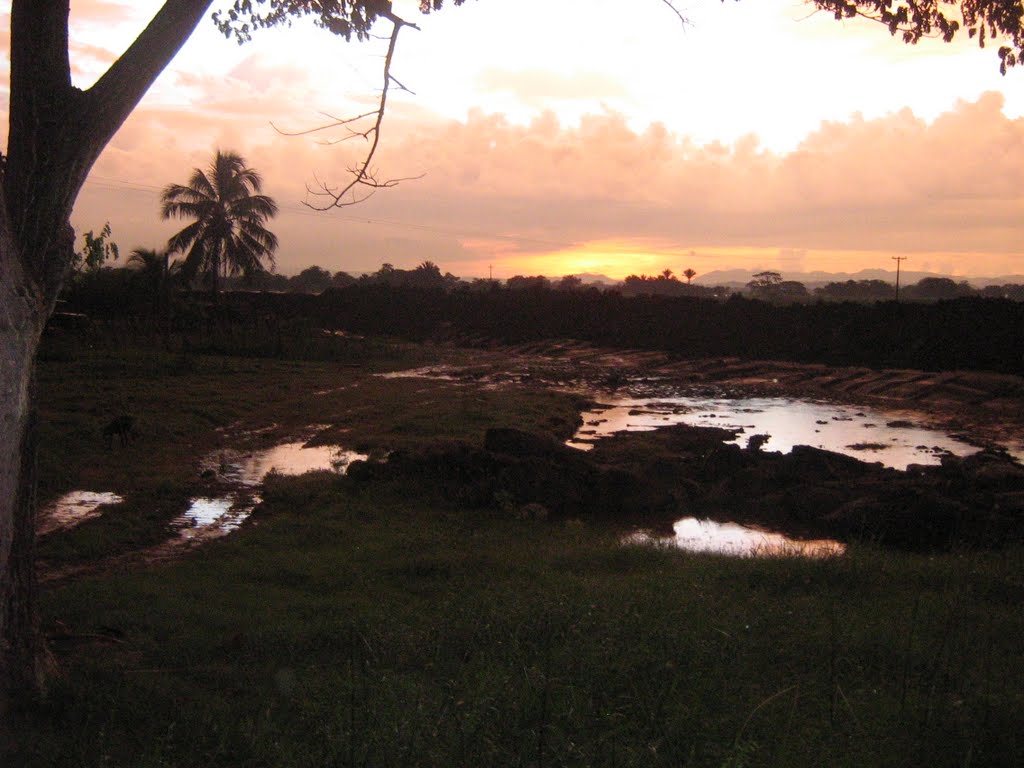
[(695, 535), (435, 372), (73, 508), (218, 515), (204, 511), (286, 459), (893, 438)]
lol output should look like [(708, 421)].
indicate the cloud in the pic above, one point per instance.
[(87, 61), (494, 189), (538, 88), (104, 11), (893, 182)]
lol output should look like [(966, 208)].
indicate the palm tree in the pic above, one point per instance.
[(155, 273), (689, 274), (227, 236), (153, 268)]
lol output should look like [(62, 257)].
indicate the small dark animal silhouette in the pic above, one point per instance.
[(122, 427)]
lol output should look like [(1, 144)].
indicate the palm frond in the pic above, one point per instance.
[(183, 240), (201, 184), (228, 229), (259, 206), (260, 238)]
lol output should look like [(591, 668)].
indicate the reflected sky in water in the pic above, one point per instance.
[(695, 535), (893, 438), (219, 515), (286, 459), (73, 508)]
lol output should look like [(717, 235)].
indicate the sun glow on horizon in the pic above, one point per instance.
[(586, 151), (618, 259)]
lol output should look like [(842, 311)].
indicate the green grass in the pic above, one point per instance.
[(373, 624), (186, 410)]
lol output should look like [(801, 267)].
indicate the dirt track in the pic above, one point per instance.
[(988, 406)]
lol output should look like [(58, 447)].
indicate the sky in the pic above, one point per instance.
[(572, 136)]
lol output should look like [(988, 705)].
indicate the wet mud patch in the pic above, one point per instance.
[(232, 480), (782, 446), (74, 508), (780, 424), (658, 479), (870, 447)]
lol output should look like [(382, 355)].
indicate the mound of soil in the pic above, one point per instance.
[(656, 477)]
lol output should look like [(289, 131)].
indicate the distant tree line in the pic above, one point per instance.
[(767, 286), (964, 333), (93, 273), (967, 331), (667, 284)]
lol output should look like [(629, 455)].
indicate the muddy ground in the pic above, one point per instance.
[(654, 478), (658, 477), (988, 406)]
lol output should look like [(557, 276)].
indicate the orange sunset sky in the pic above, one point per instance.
[(570, 136)]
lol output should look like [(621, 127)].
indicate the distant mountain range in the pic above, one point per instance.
[(740, 277), (594, 279)]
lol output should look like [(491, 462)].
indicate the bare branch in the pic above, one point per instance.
[(336, 122), (363, 176), (322, 196), (682, 19), (401, 87)]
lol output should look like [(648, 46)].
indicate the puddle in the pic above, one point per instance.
[(288, 459), (74, 508), (695, 535), (434, 372), (889, 437), (204, 511), (217, 515)]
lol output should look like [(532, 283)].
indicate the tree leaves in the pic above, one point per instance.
[(228, 234), (345, 18), (916, 19)]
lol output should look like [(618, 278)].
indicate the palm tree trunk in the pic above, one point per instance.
[(215, 282)]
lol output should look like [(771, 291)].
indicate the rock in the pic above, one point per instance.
[(993, 469), (516, 442), (907, 517), (756, 442)]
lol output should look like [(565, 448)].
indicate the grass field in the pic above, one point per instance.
[(368, 623)]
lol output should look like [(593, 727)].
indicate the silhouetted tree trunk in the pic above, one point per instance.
[(56, 133)]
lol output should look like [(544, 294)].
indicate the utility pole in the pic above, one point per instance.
[(898, 259), (490, 272)]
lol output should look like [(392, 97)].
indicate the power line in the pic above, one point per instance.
[(105, 182), (297, 209), (898, 260)]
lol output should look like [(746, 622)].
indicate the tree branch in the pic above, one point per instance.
[(57, 131), (682, 19), (119, 90), (364, 181), (363, 176)]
